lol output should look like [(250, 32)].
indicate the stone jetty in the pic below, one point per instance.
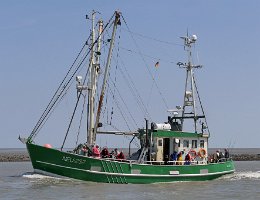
[(14, 157)]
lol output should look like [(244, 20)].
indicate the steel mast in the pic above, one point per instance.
[(100, 103), (92, 85), (189, 109)]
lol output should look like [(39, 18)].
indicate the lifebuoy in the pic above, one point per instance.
[(202, 153), (193, 154)]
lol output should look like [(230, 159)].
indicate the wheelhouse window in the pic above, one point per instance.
[(194, 144), (160, 142), (201, 143), (186, 143), (176, 141)]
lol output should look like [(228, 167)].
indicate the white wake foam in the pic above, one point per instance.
[(37, 176), (252, 175), (40, 178)]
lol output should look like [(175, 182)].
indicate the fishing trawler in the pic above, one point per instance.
[(167, 153)]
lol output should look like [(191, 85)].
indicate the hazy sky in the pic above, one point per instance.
[(40, 39)]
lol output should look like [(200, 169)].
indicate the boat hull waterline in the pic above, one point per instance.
[(52, 161)]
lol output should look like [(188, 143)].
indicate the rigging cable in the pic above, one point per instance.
[(151, 90), (81, 117), (120, 110), (148, 56), (73, 114), (52, 110), (151, 38), (131, 116), (146, 65), (114, 83), (51, 103), (201, 103), (74, 111), (62, 87), (135, 142), (47, 117), (134, 90)]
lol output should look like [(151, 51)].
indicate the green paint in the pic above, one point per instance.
[(109, 171)]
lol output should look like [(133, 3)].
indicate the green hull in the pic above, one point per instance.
[(79, 167)]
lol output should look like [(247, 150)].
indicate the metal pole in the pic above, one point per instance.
[(91, 90), (117, 18)]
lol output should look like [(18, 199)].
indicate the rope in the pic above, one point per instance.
[(51, 103), (146, 65), (148, 56), (135, 142), (121, 112), (63, 86), (81, 117), (134, 91), (201, 104), (40, 127), (131, 116), (151, 90), (114, 83), (154, 39), (74, 111)]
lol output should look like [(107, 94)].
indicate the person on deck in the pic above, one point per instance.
[(83, 150), (187, 159), (121, 156), (104, 153), (218, 154), (173, 156), (116, 152), (95, 151), (112, 154), (179, 158), (226, 154)]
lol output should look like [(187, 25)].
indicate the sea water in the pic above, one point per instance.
[(17, 181)]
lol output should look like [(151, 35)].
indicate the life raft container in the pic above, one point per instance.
[(202, 153)]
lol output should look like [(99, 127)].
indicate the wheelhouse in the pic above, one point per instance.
[(164, 143)]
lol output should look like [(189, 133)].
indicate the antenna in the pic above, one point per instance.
[(189, 109)]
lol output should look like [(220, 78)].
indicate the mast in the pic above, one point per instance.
[(116, 22), (92, 87), (96, 70), (100, 29), (189, 109)]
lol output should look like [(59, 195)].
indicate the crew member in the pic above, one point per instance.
[(95, 151)]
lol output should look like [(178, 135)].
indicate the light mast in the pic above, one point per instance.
[(189, 109)]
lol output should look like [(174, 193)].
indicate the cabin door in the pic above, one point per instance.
[(159, 154), (166, 149)]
